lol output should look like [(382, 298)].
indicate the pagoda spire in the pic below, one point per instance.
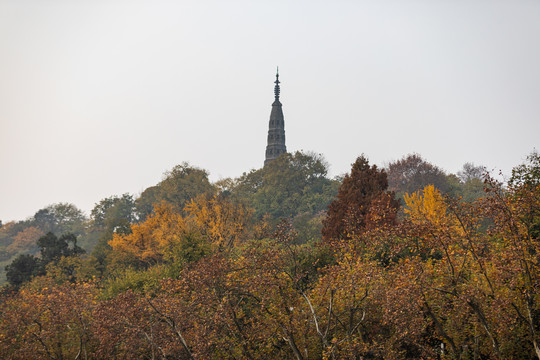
[(276, 88), (276, 127)]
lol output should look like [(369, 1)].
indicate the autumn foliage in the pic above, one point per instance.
[(148, 240), (441, 278), (362, 190)]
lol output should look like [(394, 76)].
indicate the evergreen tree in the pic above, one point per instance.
[(22, 269), (364, 187)]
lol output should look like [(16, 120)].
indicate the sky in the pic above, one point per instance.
[(100, 98)]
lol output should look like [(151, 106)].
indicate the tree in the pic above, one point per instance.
[(21, 237), (413, 173), (525, 186), (144, 204), (25, 240), (111, 215), (183, 183), (22, 269), (8, 236), (346, 309), (469, 191), (426, 206), (60, 218), (308, 227), (527, 174), (292, 184), (222, 221), (289, 181), (244, 187), (114, 212), (53, 248), (48, 321), (126, 327), (213, 219), (471, 172), (148, 241), (468, 184), (363, 187), (179, 185), (461, 278)]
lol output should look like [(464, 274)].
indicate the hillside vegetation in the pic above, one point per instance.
[(402, 262)]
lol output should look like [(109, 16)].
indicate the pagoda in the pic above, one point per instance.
[(276, 128)]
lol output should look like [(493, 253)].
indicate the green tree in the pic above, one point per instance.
[(183, 183), (111, 215), (22, 269), (115, 212), (60, 218), (53, 248), (528, 173), (525, 185), (144, 204), (291, 184), (468, 183), (179, 185)]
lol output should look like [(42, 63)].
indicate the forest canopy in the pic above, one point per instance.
[(404, 261)]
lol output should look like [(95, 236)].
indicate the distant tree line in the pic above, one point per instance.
[(296, 186)]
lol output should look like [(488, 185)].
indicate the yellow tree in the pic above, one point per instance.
[(148, 241), (449, 265), (224, 222), (210, 219), (426, 206)]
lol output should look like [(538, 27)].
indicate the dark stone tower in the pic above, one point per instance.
[(276, 128)]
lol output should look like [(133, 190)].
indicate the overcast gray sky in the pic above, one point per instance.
[(99, 98)]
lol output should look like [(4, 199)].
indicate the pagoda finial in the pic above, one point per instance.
[(276, 88)]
